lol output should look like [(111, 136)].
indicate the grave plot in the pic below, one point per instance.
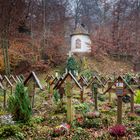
[(69, 77), (97, 79), (65, 87), (122, 89), (2, 96), (7, 88), (83, 82), (32, 82)]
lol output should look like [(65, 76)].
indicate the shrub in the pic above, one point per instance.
[(19, 104), (101, 97), (37, 119), (11, 131), (56, 96), (83, 108), (137, 97), (80, 134), (132, 116), (117, 131), (137, 129), (106, 121), (72, 65), (92, 123), (87, 74)]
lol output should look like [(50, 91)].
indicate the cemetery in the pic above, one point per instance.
[(70, 105), (69, 70)]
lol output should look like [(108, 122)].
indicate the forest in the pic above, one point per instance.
[(37, 32)]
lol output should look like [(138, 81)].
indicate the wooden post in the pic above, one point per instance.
[(95, 92), (96, 102), (109, 83), (11, 90), (119, 110), (33, 97), (132, 103), (69, 103), (4, 102), (109, 97), (82, 94)]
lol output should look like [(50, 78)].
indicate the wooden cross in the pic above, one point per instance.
[(69, 54), (121, 89), (31, 82)]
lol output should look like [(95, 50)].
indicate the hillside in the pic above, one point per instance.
[(107, 66)]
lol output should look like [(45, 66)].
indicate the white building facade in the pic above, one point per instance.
[(80, 41)]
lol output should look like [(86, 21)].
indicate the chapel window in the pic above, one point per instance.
[(78, 44)]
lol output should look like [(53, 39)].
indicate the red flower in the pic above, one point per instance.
[(117, 130)]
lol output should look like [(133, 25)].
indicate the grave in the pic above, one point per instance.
[(32, 82), (121, 88), (5, 85)]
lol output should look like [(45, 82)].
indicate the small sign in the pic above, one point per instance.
[(119, 84), (119, 91)]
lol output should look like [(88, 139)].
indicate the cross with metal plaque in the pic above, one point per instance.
[(121, 88), (119, 93)]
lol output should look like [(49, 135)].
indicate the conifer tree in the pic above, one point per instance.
[(72, 65), (19, 104)]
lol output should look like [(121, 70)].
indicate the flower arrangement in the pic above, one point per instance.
[(79, 120), (117, 131), (91, 115), (60, 130)]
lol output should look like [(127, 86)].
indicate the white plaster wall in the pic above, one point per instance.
[(84, 39)]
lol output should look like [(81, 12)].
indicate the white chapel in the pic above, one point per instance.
[(80, 40)]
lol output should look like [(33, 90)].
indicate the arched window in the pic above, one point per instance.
[(78, 44)]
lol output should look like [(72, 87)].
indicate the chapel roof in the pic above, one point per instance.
[(80, 30)]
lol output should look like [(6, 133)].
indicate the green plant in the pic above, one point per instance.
[(72, 65), (128, 78), (80, 134), (56, 96), (83, 108), (37, 119), (132, 116), (11, 131), (101, 97), (87, 74), (137, 129), (19, 104), (106, 121), (60, 108), (137, 97), (92, 123)]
